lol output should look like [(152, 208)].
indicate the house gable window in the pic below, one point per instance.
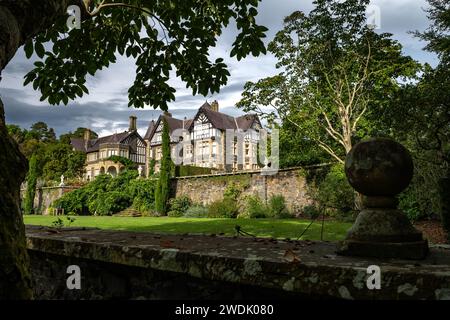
[(157, 137), (202, 128)]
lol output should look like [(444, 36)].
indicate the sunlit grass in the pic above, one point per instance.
[(277, 228)]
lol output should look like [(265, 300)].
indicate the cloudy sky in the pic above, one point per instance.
[(105, 109)]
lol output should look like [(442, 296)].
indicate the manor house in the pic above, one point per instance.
[(200, 141), (128, 144), (203, 140)]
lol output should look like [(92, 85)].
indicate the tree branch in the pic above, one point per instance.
[(328, 149)]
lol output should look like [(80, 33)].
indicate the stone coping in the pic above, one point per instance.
[(244, 172), (304, 267), (54, 187)]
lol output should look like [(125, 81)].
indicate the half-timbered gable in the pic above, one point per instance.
[(204, 144)]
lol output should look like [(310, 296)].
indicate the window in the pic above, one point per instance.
[(157, 138), (203, 128), (92, 156), (214, 150), (158, 154)]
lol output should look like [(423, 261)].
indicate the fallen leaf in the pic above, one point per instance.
[(290, 256), (166, 244)]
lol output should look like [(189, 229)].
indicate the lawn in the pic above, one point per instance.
[(278, 228)]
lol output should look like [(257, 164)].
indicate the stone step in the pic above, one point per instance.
[(129, 212)]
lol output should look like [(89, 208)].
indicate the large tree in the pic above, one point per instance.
[(336, 71), (422, 118), (78, 133), (160, 35)]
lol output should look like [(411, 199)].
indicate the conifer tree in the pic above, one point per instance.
[(34, 172), (163, 186)]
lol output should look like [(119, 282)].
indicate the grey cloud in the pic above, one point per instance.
[(105, 109), (97, 116)]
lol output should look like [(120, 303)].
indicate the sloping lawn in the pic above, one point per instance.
[(278, 228)]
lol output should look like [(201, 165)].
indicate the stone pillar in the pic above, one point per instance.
[(380, 169)]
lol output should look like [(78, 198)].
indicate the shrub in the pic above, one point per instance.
[(196, 211), (311, 211), (226, 208), (174, 214), (74, 201), (255, 208), (421, 199), (186, 170), (180, 204), (143, 192), (409, 204), (106, 195), (277, 207), (335, 192), (121, 181), (110, 202), (233, 191)]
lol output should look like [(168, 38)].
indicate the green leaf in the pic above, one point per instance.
[(28, 48), (40, 50)]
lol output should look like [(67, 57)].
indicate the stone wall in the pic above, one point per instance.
[(45, 196), (205, 189), (144, 265), (291, 183)]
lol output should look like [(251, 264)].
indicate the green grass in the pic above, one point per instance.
[(278, 228)]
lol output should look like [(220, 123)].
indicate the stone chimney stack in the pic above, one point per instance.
[(86, 138), (215, 106), (167, 114), (133, 124)]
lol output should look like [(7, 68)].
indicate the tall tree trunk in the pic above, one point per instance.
[(20, 20), (444, 194), (15, 282)]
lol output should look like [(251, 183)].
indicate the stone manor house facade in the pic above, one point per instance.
[(200, 141)]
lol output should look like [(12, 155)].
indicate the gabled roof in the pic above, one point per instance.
[(172, 122), (245, 122), (149, 130), (218, 119), (94, 144)]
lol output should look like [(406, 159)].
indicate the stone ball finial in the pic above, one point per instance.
[(379, 167)]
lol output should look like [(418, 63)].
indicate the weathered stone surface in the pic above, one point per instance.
[(383, 225), (45, 196), (207, 189), (379, 167), (288, 182), (154, 266)]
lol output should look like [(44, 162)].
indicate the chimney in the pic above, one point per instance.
[(86, 138), (133, 126), (215, 106), (167, 114)]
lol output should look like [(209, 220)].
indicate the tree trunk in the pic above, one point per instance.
[(20, 20), (444, 194), (15, 282)]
